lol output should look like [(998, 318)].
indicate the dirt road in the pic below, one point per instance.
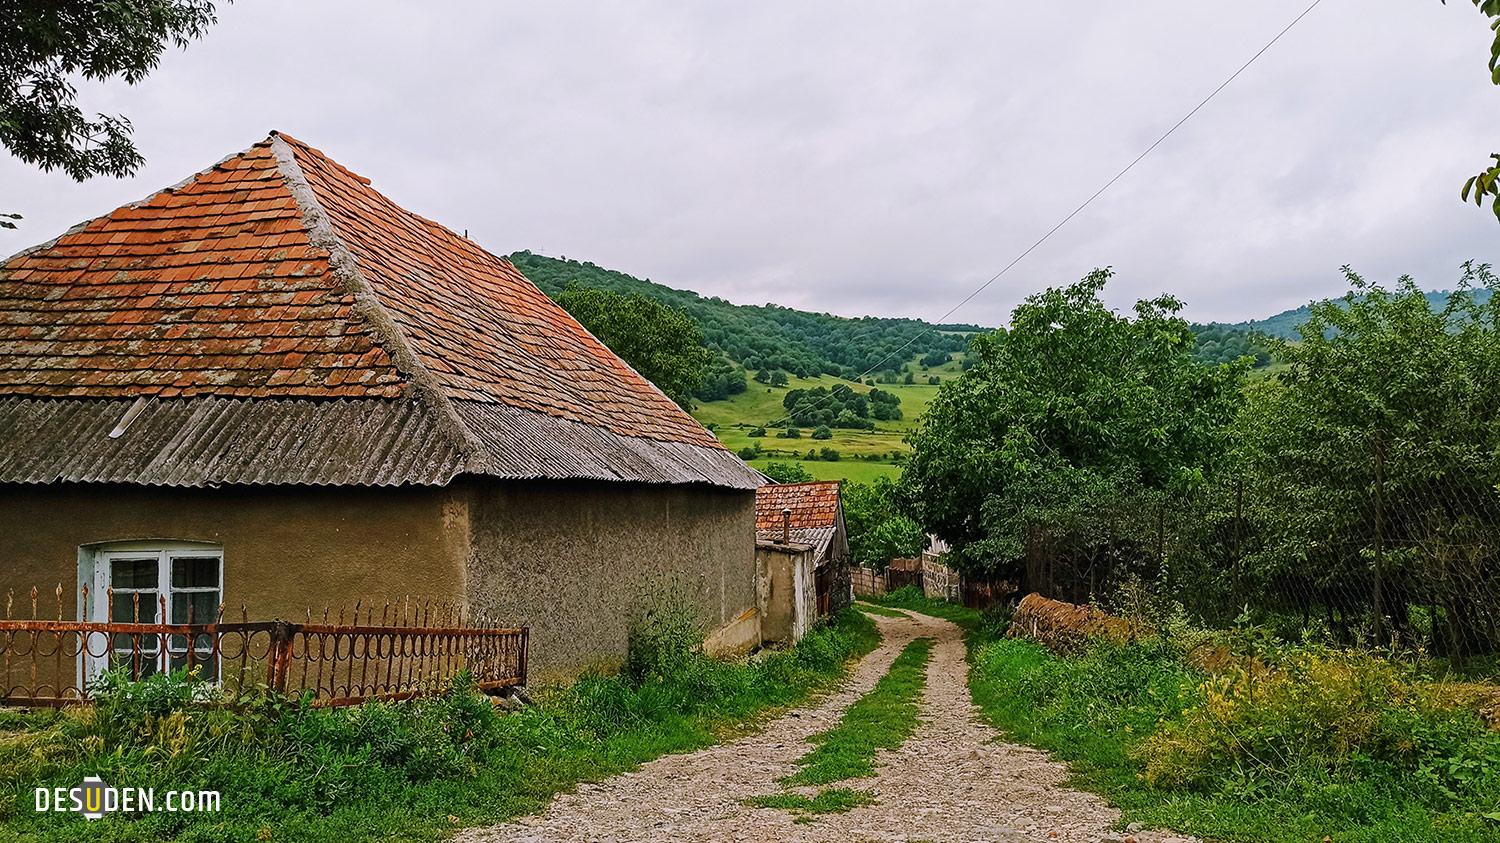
[(953, 780)]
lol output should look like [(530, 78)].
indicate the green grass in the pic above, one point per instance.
[(912, 599), (854, 471), (882, 611), (733, 419), (1096, 711), (410, 771), (1422, 774), (829, 800), (881, 719)]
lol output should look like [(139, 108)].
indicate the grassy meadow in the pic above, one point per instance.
[(864, 454)]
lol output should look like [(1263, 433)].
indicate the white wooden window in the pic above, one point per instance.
[(191, 578)]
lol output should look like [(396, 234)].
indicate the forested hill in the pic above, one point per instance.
[(766, 336), (1285, 323)]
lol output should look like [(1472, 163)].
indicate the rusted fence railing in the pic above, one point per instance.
[(401, 651)]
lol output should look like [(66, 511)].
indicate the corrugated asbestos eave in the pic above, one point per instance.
[(211, 441), (344, 442), (819, 537), (522, 444)]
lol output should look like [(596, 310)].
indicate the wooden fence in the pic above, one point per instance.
[(410, 650)]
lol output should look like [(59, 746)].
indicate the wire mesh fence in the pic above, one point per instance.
[(404, 650), (1381, 545)]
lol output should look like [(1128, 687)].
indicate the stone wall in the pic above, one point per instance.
[(939, 581), (866, 582)]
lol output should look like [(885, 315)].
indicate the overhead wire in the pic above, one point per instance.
[(1076, 211)]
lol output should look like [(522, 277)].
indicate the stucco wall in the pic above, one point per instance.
[(790, 594), (285, 549), (577, 559)]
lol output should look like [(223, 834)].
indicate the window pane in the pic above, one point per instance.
[(204, 604), (145, 665), (195, 572), (123, 608), (149, 643), (133, 573)]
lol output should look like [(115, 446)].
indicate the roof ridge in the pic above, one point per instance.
[(435, 229), (321, 232)]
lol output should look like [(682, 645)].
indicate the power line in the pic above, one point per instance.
[(1087, 202)]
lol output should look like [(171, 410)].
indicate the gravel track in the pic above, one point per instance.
[(953, 781)]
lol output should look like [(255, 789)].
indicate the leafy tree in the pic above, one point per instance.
[(722, 380), (1064, 434), (757, 432), (1372, 460), (840, 406), (790, 433), (829, 454), (786, 472), (660, 342), (762, 376), (46, 46), (765, 336), (935, 358), (878, 530), (822, 432), (1219, 343), (749, 452), (933, 380), (1486, 183), (778, 378), (909, 379)]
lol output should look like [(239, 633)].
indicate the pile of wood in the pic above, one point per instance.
[(1064, 626)]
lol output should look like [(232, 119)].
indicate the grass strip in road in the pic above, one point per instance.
[(829, 800), (872, 609), (912, 599), (881, 719)]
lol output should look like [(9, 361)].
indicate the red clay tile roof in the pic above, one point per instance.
[(207, 288), (279, 274), (812, 505)]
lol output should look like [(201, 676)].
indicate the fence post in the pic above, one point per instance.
[(525, 651), (278, 656)]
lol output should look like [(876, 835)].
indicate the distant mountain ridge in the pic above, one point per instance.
[(1284, 325), (803, 343), (768, 336)]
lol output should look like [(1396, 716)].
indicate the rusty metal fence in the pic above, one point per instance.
[(405, 650)]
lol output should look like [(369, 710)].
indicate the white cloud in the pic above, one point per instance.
[(855, 157)]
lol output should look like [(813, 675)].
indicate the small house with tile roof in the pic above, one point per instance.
[(811, 515), (271, 386)]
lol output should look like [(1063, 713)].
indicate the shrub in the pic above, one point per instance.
[(662, 641), (822, 432), (757, 432), (786, 472), (387, 770), (829, 454), (1325, 712)]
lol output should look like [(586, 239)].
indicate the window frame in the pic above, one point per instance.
[(99, 560)]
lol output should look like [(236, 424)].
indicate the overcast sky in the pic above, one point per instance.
[(863, 157)]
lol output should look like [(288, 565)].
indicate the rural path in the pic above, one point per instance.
[(953, 780)]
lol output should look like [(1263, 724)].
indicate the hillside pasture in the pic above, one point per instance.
[(864, 454)]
